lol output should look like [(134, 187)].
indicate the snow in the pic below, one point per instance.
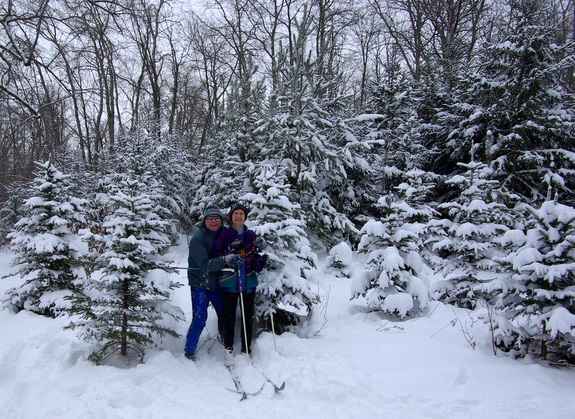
[(561, 321), (514, 236), (558, 271), (467, 229), (401, 303), (370, 117), (391, 260), (354, 364), (341, 253), (525, 257)]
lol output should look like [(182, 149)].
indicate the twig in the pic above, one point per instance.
[(452, 323), (465, 330)]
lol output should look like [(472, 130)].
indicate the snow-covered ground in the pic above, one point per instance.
[(350, 365)]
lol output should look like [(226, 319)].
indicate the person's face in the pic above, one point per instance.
[(238, 218), (213, 222)]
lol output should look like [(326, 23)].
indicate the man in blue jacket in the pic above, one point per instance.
[(203, 273)]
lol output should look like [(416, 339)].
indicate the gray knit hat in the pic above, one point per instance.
[(212, 209)]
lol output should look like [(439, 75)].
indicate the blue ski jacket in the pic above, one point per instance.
[(203, 271)]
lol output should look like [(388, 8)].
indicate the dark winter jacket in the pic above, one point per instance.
[(203, 271), (248, 280)]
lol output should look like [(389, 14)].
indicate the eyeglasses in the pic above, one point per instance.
[(214, 218)]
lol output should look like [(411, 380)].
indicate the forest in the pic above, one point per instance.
[(429, 136)]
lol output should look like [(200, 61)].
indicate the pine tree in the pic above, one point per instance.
[(165, 161), (302, 127), (537, 303), (236, 144), (126, 297), (436, 122), (175, 175), (351, 193), (401, 149), (12, 209), (515, 108), (392, 143), (47, 247), (467, 238), (339, 260), (397, 280), (292, 261)]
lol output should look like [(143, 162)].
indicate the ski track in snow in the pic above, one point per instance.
[(352, 364)]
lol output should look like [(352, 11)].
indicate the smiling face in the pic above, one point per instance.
[(238, 218), (213, 222)]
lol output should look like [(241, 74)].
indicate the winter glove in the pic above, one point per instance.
[(234, 260), (236, 246), (260, 244), (264, 261)]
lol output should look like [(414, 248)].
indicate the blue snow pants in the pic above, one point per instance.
[(201, 299)]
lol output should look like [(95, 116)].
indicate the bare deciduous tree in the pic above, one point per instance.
[(215, 64)]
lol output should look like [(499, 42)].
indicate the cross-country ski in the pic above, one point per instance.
[(238, 384)]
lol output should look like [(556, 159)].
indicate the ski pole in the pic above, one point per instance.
[(247, 346), (197, 269), (244, 324), (270, 308)]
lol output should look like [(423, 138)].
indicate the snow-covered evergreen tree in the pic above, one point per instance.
[(339, 259), (47, 247), (352, 192), (302, 128), (126, 299), (418, 190), (173, 170), (285, 286), (537, 303), (236, 144), (140, 152), (392, 143), (467, 237), (401, 149), (397, 283), (12, 209), (436, 121), (514, 107)]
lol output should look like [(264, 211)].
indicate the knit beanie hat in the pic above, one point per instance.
[(212, 209), (238, 206)]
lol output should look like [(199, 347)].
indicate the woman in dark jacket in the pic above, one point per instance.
[(240, 281)]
